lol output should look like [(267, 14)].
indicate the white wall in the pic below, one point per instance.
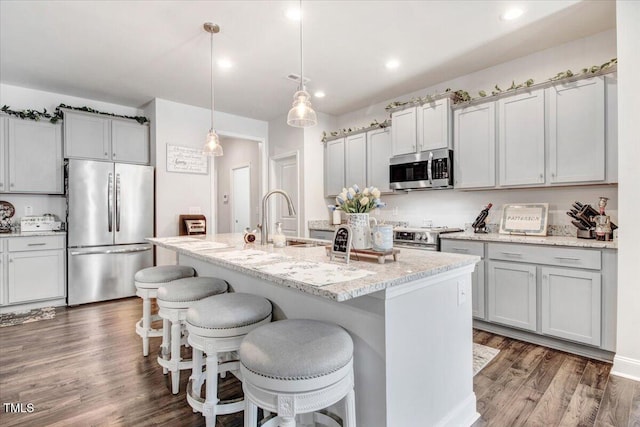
[(627, 359), (21, 98), (456, 208)]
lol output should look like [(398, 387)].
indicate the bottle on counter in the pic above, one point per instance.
[(279, 239), (335, 216)]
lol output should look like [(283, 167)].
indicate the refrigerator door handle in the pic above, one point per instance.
[(110, 202), (118, 199), (112, 251)]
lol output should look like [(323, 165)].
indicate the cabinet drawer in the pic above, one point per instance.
[(550, 255), (36, 243), (462, 247)]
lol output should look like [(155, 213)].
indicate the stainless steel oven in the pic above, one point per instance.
[(424, 170), (427, 239)]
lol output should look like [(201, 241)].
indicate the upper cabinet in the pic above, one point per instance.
[(356, 160), (521, 139), (475, 146), (378, 155), (92, 136), (422, 128), (334, 167), (27, 146), (576, 119)]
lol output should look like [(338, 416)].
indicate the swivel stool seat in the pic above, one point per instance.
[(216, 326), (174, 299), (147, 282), (297, 367)]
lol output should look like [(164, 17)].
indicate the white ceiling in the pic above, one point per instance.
[(129, 52)]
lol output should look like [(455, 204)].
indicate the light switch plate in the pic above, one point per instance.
[(464, 292), (28, 210)]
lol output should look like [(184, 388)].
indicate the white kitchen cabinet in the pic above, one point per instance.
[(321, 234), (403, 131), (35, 270), (511, 294), (356, 160), (571, 304), (521, 139), (611, 126), (378, 155), (576, 124), (477, 279), (28, 146), (334, 167), (474, 146), (92, 136), (3, 263), (434, 125)]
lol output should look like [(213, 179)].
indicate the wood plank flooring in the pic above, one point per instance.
[(85, 368)]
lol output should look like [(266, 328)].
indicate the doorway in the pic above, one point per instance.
[(240, 198), (285, 175)]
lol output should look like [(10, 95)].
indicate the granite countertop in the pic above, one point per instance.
[(534, 240), (358, 278), (33, 233)]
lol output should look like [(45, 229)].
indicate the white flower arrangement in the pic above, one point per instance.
[(354, 200)]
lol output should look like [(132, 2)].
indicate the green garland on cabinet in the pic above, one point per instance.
[(57, 114), (348, 131)]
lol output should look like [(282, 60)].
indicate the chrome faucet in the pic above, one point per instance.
[(264, 227)]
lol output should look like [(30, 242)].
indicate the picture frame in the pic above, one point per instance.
[(341, 246), (186, 160), (529, 219)]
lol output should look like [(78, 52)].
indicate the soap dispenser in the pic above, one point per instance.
[(279, 238)]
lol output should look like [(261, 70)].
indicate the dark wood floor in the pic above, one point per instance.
[(85, 368)]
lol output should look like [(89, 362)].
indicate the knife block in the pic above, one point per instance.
[(586, 234)]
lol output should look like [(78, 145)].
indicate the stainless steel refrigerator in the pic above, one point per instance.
[(109, 214)]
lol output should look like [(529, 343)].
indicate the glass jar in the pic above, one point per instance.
[(278, 237)]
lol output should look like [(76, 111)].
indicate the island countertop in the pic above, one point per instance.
[(276, 265)]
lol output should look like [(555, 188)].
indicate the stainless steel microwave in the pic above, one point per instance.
[(423, 170)]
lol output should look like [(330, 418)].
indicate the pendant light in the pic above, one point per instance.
[(212, 147), (301, 114)]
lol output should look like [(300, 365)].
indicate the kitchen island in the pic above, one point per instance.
[(410, 320)]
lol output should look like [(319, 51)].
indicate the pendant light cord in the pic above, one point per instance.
[(301, 62), (212, 81)]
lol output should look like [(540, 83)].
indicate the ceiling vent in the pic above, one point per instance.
[(296, 78)]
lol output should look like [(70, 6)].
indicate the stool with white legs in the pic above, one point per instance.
[(147, 282), (216, 326), (298, 367), (174, 299)]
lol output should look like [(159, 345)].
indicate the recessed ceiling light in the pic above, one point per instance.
[(319, 94), (513, 13), (392, 64), (294, 14), (224, 63)]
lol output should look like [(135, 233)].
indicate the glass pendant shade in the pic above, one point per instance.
[(212, 147), (301, 114)]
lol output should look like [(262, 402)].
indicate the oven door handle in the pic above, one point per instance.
[(429, 165)]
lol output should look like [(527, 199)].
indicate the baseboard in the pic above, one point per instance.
[(626, 367), (464, 414)]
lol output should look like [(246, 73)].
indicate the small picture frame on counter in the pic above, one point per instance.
[(529, 219), (341, 246)]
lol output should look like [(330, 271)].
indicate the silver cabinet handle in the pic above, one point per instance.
[(511, 254), (567, 258), (112, 251), (110, 202), (117, 202), (460, 250), (429, 166), (36, 244)]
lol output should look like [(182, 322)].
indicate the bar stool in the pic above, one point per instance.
[(147, 282), (174, 299), (297, 366), (216, 326)]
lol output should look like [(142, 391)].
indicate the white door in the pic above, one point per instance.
[(285, 177), (240, 198)]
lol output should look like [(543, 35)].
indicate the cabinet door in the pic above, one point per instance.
[(86, 136), (611, 126), (434, 125), (512, 294), (334, 167), (4, 186), (35, 275), (129, 142), (403, 131), (3, 261), (577, 132), (571, 304), (475, 146), (356, 160), (521, 139), (35, 146), (378, 155)]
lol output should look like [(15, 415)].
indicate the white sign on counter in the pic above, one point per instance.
[(529, 219), (186, 160)]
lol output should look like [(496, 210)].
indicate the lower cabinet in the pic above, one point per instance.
[(35, 269), (571, 304), (321, 234), (477, 278), (512, 294)]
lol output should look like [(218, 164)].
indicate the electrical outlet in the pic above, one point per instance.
[(464, 292), (28, 210)]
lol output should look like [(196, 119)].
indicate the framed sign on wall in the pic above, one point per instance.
[(186, 160), (529, 219)]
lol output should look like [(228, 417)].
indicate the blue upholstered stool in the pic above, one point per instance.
[(147, 282), (297, 367), (174, 299), (216, 327)]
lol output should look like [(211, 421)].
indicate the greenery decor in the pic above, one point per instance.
[(344, 132), (354, 200), (57, 114)]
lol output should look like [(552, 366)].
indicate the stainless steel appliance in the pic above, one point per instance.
[(424, 170), (109, 214), (427, 238)]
